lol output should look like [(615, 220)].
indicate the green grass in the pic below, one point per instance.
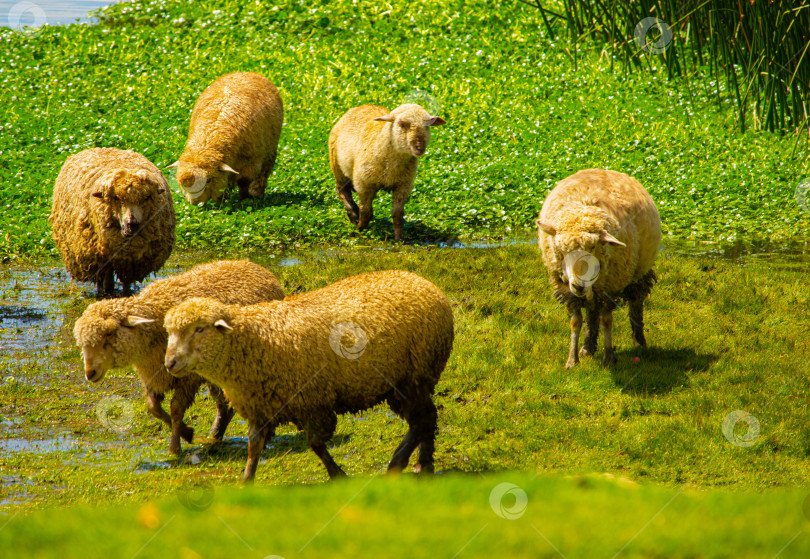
[(451, 516), (724, 335), (520, 117)]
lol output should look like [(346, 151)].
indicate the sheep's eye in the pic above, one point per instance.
[(199, 329), (114, 198), (404, 124)]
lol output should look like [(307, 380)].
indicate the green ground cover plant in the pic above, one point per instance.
[(520, 117)]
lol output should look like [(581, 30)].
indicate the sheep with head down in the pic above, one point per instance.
[(112, 215), (599, 233), (372, 149)]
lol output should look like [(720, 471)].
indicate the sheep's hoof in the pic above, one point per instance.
[(586, 351), (187, 433), (609, 358), (420, 469), (571, 363)]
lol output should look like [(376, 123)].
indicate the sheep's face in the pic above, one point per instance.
[(127, 198), (410, 128), (201, 183), (108, 340), (194, 338)]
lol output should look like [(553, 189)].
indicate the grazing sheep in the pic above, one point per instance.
[(233, 137), (112, 214), (371, 149), (599, 232), (374, 337), (117, 333)]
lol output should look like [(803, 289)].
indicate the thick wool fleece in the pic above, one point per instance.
[(236, 122), (103, 328), (87, 228), (281, 361), (368, 155)]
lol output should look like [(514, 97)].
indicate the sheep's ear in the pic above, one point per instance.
[(174, 165), (386, 118), (97, 194), (436, 121), (131, 321), (546, 228), (222, 326), (606, 237), (228, 168)]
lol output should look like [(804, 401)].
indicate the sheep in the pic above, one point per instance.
[(599, 233), (233, 137), (112, 213), (372, 149), (116, 333), (374, 337)]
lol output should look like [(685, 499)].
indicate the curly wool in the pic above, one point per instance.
[(144, 346), (280, 363), (87, 229), (237, 122)]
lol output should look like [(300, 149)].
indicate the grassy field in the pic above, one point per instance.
[(716, 327), (520, 117)]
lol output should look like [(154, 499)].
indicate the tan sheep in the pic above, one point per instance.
[(599, 232), (233, 138), (372, 149), (374, 337), (117, 333), (112, 213)]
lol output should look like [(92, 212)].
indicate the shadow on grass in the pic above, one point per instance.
[(659, 370)]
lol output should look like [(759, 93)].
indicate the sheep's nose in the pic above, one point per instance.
[(130, 228), (170, 363), (91, 374)]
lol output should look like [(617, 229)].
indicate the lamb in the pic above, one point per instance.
[(599, 233), (372, 149), (233, 137), (112, 215), (374, 337), (116, 333)]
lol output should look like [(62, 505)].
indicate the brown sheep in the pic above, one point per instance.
[(370, 338), (232, 138), (599, 232), (117, 333), (371, 149), (112, 214)]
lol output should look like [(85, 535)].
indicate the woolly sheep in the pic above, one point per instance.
[(372, 149), (233, 137), (117, 333), (112, 213), (374, 337), (599, 233)]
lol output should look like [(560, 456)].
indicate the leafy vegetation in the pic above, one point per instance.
[(520, 117)]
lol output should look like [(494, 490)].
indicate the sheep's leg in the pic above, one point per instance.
[(399, 461), (344, 191), (105, 284), (576, 326), (224, 413), (398, 200), (428, 439), (259, 184), (607, 328), (318, 434), (154, 403), (243, 185), (366, 197), (637, 322), (257, 437), (591, 330)]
